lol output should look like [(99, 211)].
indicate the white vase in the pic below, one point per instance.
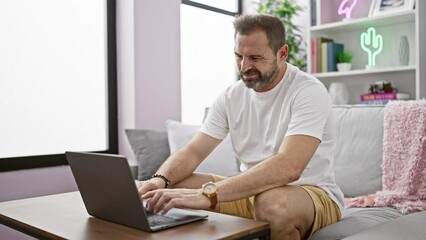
[(339, 93), (404, 51), (343, 67)]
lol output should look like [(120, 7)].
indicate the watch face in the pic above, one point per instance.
[(209, 188)]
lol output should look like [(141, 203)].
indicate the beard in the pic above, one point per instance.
[(262, 80)]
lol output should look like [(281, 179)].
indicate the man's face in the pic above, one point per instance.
[(256, 62)]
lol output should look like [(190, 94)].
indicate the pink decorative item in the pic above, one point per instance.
[(404, 159), (346, 7)]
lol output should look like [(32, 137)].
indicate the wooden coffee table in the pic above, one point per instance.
[(63, 216)]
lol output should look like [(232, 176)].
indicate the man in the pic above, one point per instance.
[(280, 124)]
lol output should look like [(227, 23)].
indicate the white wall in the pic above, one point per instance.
[(126, 74), (157, 62), (148, 66)]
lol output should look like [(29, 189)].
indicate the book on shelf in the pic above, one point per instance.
[(378, 96), (317, 53), (313, 12), (376, 102), (314, 48), (324, 56), (382, 98), (333, 50)]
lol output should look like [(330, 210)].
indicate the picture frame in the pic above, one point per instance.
[(379, 7)]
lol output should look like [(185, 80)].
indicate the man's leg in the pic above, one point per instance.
[(289, 211)]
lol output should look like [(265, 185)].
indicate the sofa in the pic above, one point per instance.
[(358, 168)]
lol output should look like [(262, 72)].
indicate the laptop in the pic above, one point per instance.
[(109, 192)]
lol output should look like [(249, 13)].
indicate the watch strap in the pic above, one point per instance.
[(213, 199)]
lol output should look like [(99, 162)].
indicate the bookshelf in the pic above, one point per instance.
[(410, 78)]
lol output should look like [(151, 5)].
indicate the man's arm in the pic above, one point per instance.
[(285, 167), (183, 162), (281, 169)]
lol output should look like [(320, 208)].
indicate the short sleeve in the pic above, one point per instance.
[(216, 122), (310, 111)]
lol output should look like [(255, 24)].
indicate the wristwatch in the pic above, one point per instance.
[(210, 191)]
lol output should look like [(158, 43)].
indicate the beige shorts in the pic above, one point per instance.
[(326, 210)]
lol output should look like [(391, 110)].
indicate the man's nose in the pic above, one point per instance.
[(246, 64)]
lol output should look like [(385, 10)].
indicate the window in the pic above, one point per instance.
[(57, 80), (207, 56)]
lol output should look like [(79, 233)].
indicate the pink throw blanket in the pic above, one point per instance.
[(404, 159)]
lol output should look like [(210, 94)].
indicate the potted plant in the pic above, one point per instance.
[(344, 61), (285, 10)]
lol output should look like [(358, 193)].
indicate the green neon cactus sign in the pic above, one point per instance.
[(372, 43)]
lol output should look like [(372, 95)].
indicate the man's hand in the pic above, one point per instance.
[(162, 200), (149, 185)]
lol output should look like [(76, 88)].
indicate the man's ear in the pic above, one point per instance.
[(283, 53)]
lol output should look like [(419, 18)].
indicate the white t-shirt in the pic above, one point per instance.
[(258, 122)]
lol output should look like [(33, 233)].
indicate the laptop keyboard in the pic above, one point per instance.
[(157, 219)]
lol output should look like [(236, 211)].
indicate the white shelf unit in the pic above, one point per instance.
[(409, 79)]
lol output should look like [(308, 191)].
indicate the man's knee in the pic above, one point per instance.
[(288, 210), (271, 209)]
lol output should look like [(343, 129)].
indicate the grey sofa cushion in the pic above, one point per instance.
[(358, 152), (356, 220), (151, 149)]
